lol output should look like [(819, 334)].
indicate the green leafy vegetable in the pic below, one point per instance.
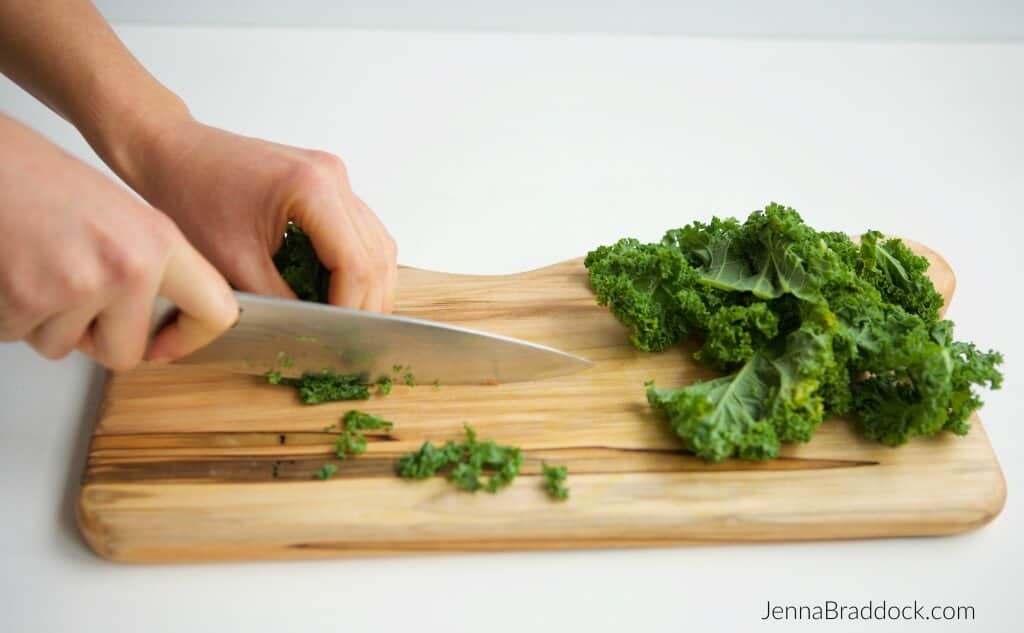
[(360, 421), (466, 463), (325, 386), (410, 379), (326, 472), (300, 267), (352, 440), (810, 324), (554, 481), (384, 384)]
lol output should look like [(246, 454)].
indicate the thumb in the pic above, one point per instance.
[(206, 305)]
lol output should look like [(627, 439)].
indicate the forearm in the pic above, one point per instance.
[(65, 54)]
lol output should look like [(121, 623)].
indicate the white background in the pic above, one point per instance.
[(498, 153), (951, 19)]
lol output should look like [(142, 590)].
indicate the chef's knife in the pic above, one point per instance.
[(293, 337)]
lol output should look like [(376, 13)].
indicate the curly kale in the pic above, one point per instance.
[(554, 481), (810, 324), (325, 386), (639, 283), (352, 440), (326, 472), (466, 463), (300, 267)]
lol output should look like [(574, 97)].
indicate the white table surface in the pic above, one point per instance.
[(498, 153)]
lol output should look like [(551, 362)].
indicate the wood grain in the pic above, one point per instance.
[(192, 464)]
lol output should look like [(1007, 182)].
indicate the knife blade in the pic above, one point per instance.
[(293, 337)]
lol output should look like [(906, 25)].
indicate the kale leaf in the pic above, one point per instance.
[(810, 324), (300, 267)]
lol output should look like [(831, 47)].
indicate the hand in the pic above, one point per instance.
[(83, 260), (233, 196)]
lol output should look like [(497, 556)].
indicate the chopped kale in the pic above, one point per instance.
[(554, 480), (352, 441), (325, 386), (466, 463), (326, 472)]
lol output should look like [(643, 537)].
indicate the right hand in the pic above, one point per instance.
[(82, 261)]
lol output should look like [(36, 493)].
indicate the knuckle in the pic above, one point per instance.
[(311, 179), (21, 304), (128, 267), (330, 163), (358, 270), (164, 230), (81, 282)]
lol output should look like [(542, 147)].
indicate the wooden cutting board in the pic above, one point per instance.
[(191, 464)]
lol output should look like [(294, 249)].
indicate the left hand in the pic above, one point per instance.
[(233, 196)]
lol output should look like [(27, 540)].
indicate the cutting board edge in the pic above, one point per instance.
[(981, 512), (272, 552)]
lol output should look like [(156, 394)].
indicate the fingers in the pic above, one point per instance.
[(382, 253), (206, 305), (118, 335), (391, 288), (349, 239), (57, 336), (338, 243), (111, 327), (256, 273)]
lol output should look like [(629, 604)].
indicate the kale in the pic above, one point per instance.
[(809, 324), (384, 384), (409, 379), (325, 386), (554, 481), (326, 472), (466, 463), (300, 267), (352, 440)]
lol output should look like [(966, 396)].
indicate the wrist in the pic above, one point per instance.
[(129, 140)]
